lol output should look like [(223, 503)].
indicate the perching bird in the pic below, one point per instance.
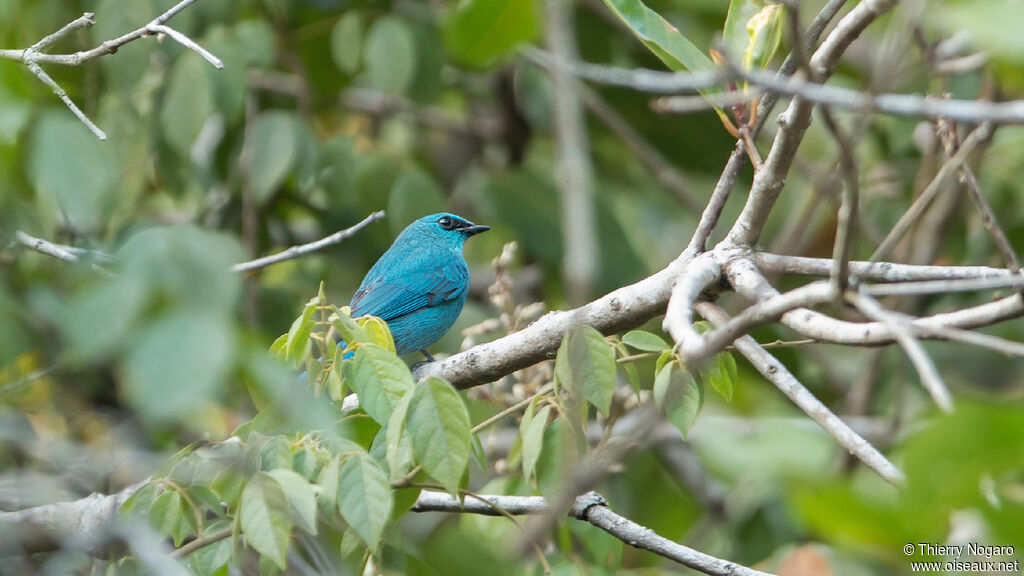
[(420, 284)]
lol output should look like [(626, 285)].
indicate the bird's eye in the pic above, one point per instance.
[(445, 222)]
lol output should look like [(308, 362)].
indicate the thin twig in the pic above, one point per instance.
[(202, 542), (304, 249), (930, 192), (34, 56), (784, 380), (988, 216), (873, 271), (904, 334)]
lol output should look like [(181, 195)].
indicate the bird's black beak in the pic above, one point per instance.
[(475, 229)]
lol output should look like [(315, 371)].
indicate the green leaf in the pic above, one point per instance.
[(177, 364), (207, 498), (379, 378), (679, 395), (644, 341), (346, 41), (377, 332), (140, 501), (301, 495), (390, 55), (113, 18), (298, 334), (481, 31), (558, 458), (265, 518), (399, 451), (413, 195), (439, 426), (365, 499), (273, 147), (350, 331), (663, 39), (165, 512), (72, 172), (988, 24), (586, 364), (532, 432), (187, 104), (721, 374)]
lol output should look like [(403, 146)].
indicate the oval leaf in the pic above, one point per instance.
[(365, 498), (679, 394), (644, 341), (379, 378), (438, 424), (586, 364), (265, 519)]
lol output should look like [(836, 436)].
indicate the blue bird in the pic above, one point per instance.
[(420, 284)]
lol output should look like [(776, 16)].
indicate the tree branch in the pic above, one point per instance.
[(32, 57), (592, 508), (784, 380), (304, 249)]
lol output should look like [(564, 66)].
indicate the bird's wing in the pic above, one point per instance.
[(391, 298)]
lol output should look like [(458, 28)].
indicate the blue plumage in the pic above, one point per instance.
[(420, 284)]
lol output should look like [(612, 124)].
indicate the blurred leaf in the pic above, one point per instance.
[(481, 31), (590, 367), (114, 18), (438, 424), (272, 153), (390, 55), (379, 378), (414, 195), (177, 364), (70, 169), (679, 395), (988, 22), (365, 499), (531, 431), (346, 41), (301, 496), (99, 319), (187, 103), (256, 38), (14, 114), (264, 518), (165, 512), (645, 341)]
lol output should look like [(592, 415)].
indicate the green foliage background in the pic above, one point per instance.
[(327, 110)]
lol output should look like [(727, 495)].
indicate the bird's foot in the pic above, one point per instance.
[(427, 354)]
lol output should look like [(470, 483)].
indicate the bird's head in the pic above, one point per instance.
[(448, 227)]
